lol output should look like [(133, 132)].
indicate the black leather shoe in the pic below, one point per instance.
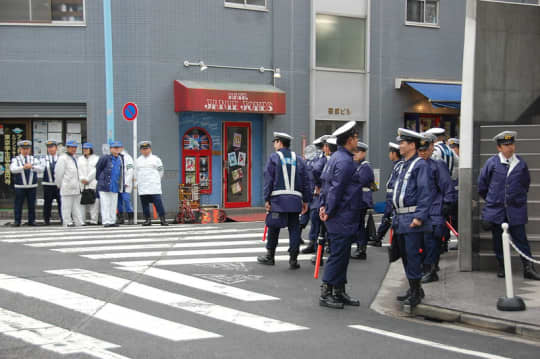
[(293, 261), (529, 272), (15, 224), (120, 219), (108, 225), (30, 224), (163, 221), (359, 254), (500, 271), (343, 297), (311, 248), (401, 298), (268, 258), (327, 299), (430, 275), (415, 298), (147, 222)]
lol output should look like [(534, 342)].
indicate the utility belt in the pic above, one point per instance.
[(405, 210), (284, 191), (25, 186), (390, 190), (366, 189), (48, 184)]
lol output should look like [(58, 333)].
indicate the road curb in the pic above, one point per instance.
[(475, 320)]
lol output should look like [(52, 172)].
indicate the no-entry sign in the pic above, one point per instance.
[(130, 111)]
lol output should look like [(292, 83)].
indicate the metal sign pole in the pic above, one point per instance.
[(135, 200)]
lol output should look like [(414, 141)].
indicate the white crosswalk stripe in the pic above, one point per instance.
[(99, 309), (219, 312), (53, 338), (175, 262)]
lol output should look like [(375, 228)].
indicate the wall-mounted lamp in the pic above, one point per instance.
[(276, 72)]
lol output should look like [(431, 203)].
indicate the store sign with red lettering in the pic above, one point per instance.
[(197, 99)]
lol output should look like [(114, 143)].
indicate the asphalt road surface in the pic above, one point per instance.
[(196, 291)]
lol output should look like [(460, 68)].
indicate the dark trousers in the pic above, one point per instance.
[(293, 224), (519, 237), (409, 247), (146, 199), (315, 224), (51, 193), (362, 235), (335, 268), (30, 195), (432, 244), (124, 202)]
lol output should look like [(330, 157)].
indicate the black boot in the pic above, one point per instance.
[(327, 299), (500, 269), (268, 259), (528, 271), (130, 218), (344, 298), (416, 295), (163, 221), (401, 298), (359, 253), (430, 274), (311, 247), (293, 260), (147, 221), (120, 218)]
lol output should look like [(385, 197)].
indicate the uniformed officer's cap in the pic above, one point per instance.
[(453, 142), (321, 140), (428, 139), (408, 135), (346, 130), (332, 141), (437, 131), (116, 144), (505, 137), (87, 145), (278, 136), (24, 143), (145, 144), (72, 144), (51, 143), (362, 146), (393, 146)]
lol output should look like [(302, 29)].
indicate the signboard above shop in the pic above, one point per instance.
[(198, 96)]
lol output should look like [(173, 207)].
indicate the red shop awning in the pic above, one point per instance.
[(201, 96)]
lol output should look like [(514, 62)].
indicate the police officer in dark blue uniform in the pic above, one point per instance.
[(50, 190), (443, 197), (340, 210), (25, 169), (503, 183), (386, 221), (364, 175), (315, 167), (286, 194), (412, 199)]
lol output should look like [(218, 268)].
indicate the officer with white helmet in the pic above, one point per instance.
[(286, 195), (50, 190), (25, 169), (148, 174)]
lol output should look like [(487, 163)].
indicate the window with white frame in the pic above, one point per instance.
[(340, 42), (41, 11), (247, 4), (423, 12)]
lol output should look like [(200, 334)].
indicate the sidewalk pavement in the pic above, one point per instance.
[(465, 297)]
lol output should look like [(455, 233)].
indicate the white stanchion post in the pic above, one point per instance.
[(510, 302)]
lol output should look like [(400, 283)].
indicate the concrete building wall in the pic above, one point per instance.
[(405, 51), (151, 40)]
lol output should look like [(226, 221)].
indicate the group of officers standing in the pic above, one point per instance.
[(87, 183), (333, 187)]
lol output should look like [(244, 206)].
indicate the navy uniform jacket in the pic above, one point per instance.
[(341, 195), (413, 189), (504, 187), (25, 178), (443, 190), (365, 175), (317, 167), (103, 173), (389, 208), (274, 181)]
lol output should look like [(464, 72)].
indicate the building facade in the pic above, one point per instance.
[(243, 65)]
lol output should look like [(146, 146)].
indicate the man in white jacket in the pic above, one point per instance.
[(67, 179), (148, 174), (87, 174), (124, 198)]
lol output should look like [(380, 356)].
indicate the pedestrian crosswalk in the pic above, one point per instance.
[(135, 266)]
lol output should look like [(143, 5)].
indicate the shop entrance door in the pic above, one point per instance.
[(11, 131), (237, 164)]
